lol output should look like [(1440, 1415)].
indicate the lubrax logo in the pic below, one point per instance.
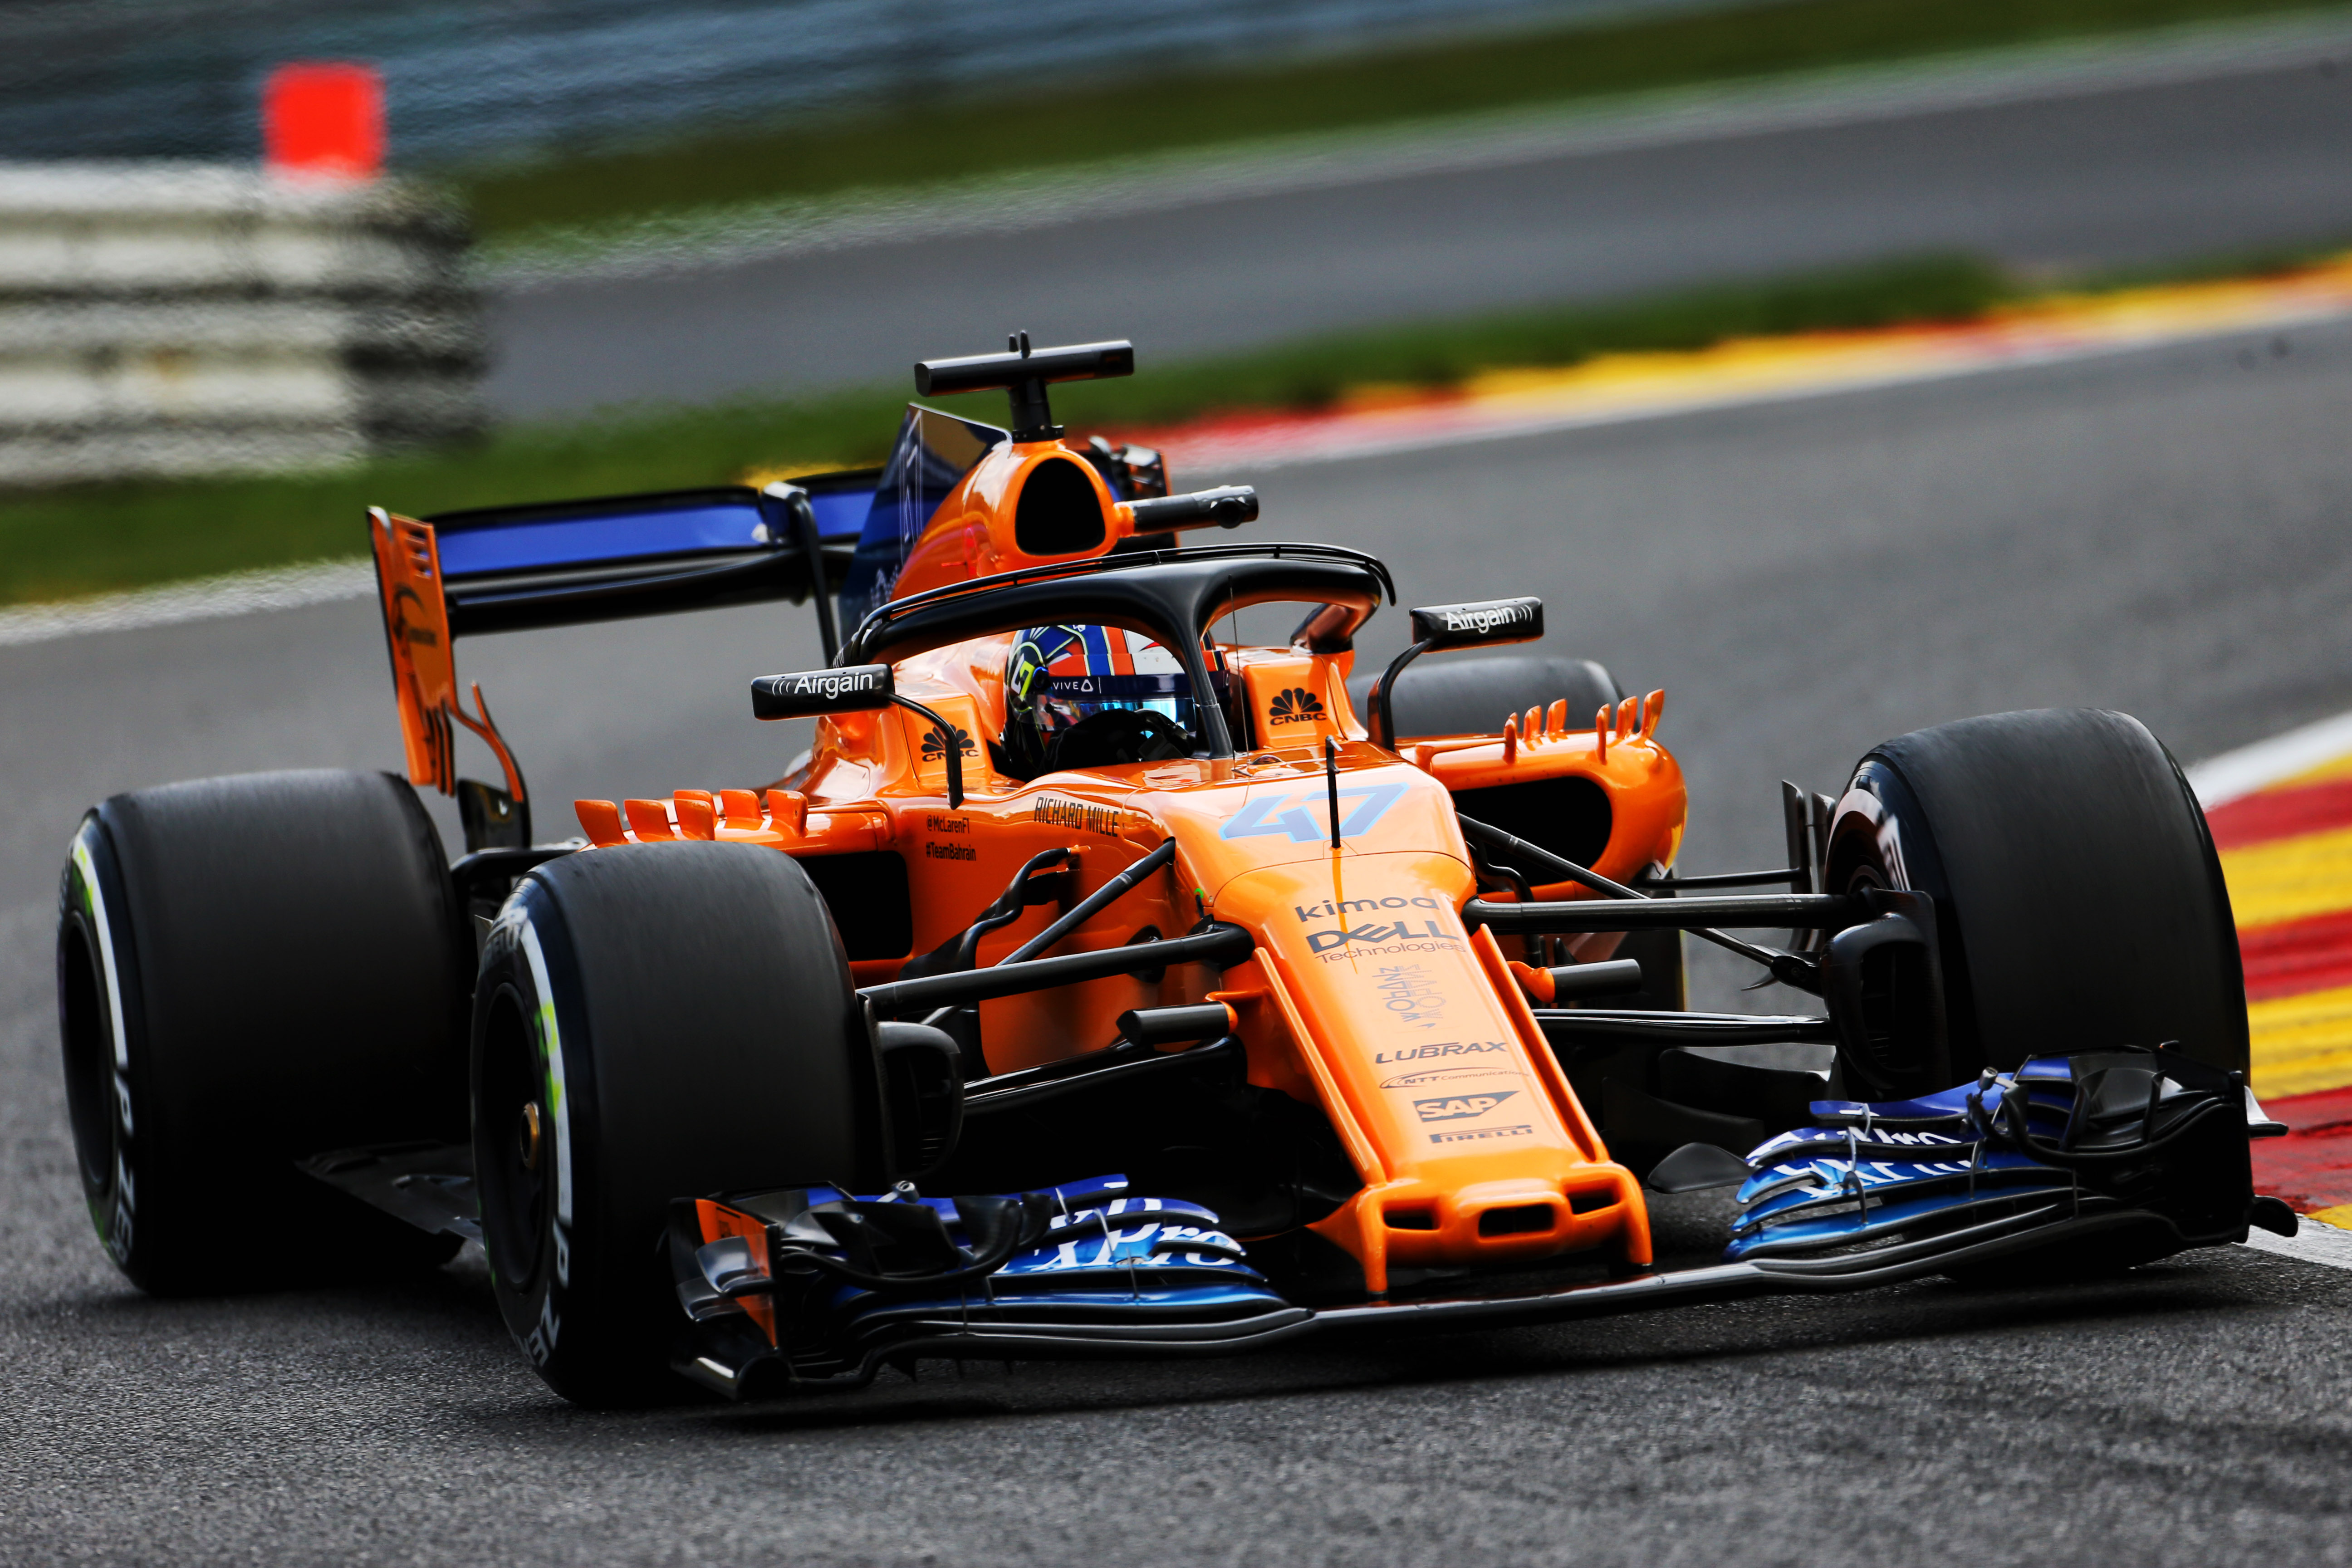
[(830, 684), (1433, 1052), (1474, 1134), (1330, 908), (1377, 934), (1460, 1107), (1484, 619), (1296, 706), (933, 752)]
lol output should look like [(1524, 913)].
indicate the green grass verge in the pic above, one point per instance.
[(61, 544), (955, 139)]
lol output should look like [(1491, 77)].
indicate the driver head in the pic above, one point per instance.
[(1059, 677)]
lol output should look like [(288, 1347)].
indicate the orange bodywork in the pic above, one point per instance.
[(1367, 997)]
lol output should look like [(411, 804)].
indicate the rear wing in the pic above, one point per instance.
[(502, 569)]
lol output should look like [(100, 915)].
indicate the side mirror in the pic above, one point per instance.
[(856, 689), (1486, 623), (1489, 621), (1227, 506), (812, 693)]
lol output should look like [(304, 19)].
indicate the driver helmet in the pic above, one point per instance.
[(1058, 677)]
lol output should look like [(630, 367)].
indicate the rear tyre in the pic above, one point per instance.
[(653, 1022), (2078, 900), (251, 969)]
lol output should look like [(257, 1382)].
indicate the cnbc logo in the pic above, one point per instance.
[(933, 751), (1296, 706)]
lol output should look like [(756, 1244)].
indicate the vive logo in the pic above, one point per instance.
[(1296, 706), (1460, 1107)]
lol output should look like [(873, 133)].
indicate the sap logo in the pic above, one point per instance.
[(934, 751), (1303, 817), (1460, 1107), (1430, 1053), (1475, 1134), (1410, 995), (1332, 909), (1375, 935), (1296, 706)]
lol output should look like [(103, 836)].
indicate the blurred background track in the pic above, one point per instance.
[(2079, 173)]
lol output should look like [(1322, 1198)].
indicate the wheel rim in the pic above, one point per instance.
[(89, 1061), (511, 1150)]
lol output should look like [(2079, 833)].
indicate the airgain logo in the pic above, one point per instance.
[(1460, 1107), (933, 752), (1296, 706)]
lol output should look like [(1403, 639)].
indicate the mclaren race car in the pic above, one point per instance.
[(1097, 985)]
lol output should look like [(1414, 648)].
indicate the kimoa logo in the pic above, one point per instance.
[(1460, 1107), (1333, 908), (1296, 706)]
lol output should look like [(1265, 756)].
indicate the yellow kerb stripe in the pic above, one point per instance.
[(2302, 1044), (2290, 879)]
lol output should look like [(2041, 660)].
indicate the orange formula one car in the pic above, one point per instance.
[(1097, 986)]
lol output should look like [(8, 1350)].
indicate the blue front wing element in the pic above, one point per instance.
[(2059, 1137)]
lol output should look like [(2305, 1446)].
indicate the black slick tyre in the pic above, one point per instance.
[(251, 969), (2078, 902), (1446, 696), (653, 1022)]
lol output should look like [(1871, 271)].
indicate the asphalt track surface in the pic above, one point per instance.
[(2164, 532), (2114, 176)]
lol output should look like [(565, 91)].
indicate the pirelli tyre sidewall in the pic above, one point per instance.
[(2079, 903), (98, 1000), (652, 1023), (252, 970)]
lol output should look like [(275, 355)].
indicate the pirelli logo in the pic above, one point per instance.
[(1479, 1135)]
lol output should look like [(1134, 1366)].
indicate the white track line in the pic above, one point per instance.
[(205, 599), (2313, 1242), (2264, 763)]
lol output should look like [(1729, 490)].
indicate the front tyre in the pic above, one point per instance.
[(653, 1022), (2078, 900)]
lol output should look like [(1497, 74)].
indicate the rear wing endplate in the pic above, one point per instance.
[(502, 569)]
